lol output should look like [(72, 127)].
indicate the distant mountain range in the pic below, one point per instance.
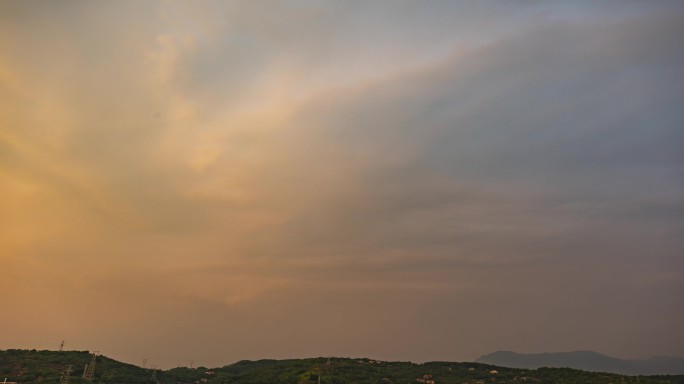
[(587, 361)]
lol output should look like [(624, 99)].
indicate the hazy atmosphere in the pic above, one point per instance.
[(403, 180)]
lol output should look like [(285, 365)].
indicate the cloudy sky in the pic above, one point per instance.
[(401, 180)]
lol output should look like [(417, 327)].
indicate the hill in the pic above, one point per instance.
[(31, 366), (587, 361)]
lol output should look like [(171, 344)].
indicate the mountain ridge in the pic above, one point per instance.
[(588, 361)]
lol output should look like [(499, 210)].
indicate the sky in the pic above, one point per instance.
[(215, 181)]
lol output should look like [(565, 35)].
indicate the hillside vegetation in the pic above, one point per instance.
[(46, 367)]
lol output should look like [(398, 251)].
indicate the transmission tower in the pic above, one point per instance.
[(89, 370), (144, 362), (61, 346), (64, 379)]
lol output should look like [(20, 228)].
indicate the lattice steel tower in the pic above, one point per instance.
[(64, 379), (89, 370)]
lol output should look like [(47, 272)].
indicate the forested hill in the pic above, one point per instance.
[(46, 367)]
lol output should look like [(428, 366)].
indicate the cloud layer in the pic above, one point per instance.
[(220, 181)]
